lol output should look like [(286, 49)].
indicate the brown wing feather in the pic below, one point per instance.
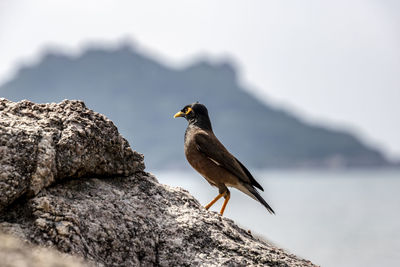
[(253, 181), (215, 150)]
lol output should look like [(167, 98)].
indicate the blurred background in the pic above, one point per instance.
[(304, 93)]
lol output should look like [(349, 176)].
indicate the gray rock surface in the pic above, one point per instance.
[(43, 143), (14, 253), (104, 217), (135, 221)]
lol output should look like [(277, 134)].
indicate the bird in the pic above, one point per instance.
[(208, 156)]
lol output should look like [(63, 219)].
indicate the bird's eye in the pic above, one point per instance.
[(187, 110)]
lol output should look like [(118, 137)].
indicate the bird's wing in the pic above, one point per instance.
[(214, 150), (253, 181)]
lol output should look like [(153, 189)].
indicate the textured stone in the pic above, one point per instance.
[(14, 253), (43, 143), (135, 221)]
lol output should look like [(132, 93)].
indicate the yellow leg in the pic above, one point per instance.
[(214, 200), (228, 196)]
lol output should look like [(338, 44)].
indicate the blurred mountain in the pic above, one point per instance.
[(141, 95)]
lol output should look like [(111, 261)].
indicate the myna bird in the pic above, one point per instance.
[(213, 161)]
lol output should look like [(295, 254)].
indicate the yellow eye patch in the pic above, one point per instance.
[(188, 110)]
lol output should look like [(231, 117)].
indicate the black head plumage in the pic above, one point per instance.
[(197, 114)]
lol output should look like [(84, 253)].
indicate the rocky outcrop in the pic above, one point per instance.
[(43, 143), (136, 221), (104, 207), (14, 253)]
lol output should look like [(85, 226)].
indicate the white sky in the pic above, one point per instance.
[(332, 61)]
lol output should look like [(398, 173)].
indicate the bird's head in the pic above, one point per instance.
[(195, 113)]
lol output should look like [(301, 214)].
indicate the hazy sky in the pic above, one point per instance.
[(332, 61)]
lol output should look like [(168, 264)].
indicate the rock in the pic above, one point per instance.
[(112, 220), (135, 221), (14, 253), (43, 143)]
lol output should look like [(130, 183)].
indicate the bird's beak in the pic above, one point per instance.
[(183, 114), (179, 114)]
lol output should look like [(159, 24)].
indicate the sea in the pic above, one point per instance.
[(333, 218)]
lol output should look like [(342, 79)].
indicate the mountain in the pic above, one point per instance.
[(141, 95)]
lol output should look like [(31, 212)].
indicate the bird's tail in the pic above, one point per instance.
[(256, 196)]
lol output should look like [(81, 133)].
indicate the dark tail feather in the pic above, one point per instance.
[(260, 199)]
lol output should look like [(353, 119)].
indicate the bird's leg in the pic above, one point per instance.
[(227, 197), (213, 201)]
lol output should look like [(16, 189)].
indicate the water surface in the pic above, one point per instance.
[(333, 218)]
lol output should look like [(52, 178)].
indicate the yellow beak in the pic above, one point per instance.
[(182, 114), (179, 114)]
